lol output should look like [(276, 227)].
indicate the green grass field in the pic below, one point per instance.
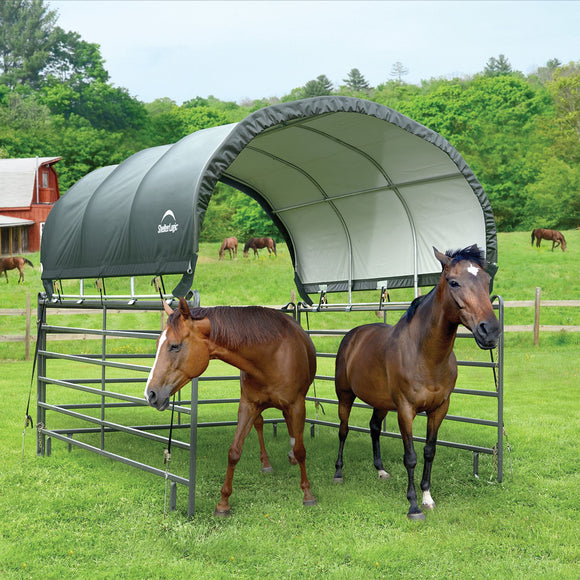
[(78, 515)]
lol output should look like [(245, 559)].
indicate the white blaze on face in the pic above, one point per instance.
[(472, 269), (162, 340)]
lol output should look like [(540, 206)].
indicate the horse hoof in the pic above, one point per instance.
[(383, 474), (416, 516), (268, 469), (292, 460), (219, 514), (309, 502), (427, 506), (338, 480)]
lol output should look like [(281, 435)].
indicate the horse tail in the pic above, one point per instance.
[(274, 245), (533, 236), (26, 261)]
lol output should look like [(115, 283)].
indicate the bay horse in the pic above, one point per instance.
[(12, 264), (259, 243), (277, 363), (557, 238), (411, 368), (231, 245)]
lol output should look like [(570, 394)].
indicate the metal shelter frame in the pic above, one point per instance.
[(107, 399)]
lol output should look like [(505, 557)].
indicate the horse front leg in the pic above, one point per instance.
[(295, 419), (247, 415), (434, 421), (406, 417), (375, 427), (259, 426)]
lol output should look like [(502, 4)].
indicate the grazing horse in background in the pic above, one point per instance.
[(277, 363), (13, 263), (557, 238), (259, 243), (411, 368), (231, 245)]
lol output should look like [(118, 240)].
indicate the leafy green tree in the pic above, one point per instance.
[(552, 200), (74, 61), (565, 91), (497, 66), (545, 73), (26, 40), (356, 81)]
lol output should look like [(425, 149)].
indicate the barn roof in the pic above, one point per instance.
[(17, 180), (360, 192), (11, 222)]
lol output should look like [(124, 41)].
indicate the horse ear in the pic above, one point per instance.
[(167, 308), (443, 259), (184, 308)]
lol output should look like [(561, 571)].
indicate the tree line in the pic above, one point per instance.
[(519, 133)]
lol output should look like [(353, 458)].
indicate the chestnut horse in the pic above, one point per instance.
[(411, 368), (277, 363), (259, 243), (13, 263), (231, 245), (557, 238)]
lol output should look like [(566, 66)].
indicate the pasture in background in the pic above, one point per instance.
[(79, 515)]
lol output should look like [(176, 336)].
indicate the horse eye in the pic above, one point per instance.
[(454, 283), (174, 347)]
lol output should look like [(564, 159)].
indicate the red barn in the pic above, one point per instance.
[(28, 190)]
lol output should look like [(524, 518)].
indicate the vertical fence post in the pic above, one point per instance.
[(537, 316), (27, 333)]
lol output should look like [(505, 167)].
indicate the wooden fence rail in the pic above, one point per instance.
[(536, 327)]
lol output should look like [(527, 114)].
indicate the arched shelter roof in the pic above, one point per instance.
[(360, 192)]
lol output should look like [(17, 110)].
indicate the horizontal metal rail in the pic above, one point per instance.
[(121, 458)]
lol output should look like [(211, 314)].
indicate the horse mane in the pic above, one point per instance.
[(232, 327), (472, 253), (414, 305)]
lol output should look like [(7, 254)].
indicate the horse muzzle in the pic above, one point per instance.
[(486, 334), (159, 402)]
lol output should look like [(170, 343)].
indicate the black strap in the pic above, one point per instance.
[(316, 402), (28, 418), (167, 453)]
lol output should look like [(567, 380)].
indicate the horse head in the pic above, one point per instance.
[(465, 287), (182, 354)]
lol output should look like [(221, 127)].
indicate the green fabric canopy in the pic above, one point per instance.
[(360, 192)]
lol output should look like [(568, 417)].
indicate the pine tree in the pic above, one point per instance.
[(356, 81), (496, 67)]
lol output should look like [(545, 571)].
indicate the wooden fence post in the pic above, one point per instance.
[(537, 316), (27, 333)]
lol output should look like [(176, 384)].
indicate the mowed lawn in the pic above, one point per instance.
[(78, 515)]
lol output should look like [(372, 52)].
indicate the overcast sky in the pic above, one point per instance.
[(242, 50)]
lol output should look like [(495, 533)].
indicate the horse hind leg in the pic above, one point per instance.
[(291, 456), (345, 401), (265, 460), (375, 428), (295, 418)]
